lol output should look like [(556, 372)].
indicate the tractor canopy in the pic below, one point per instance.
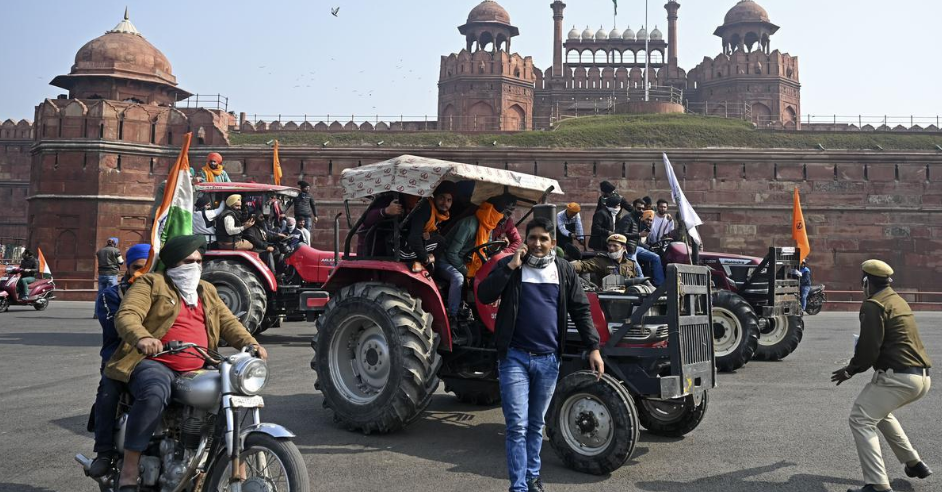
[(420, 176)]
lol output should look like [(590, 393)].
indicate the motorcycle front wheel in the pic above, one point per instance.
[(269, 463)]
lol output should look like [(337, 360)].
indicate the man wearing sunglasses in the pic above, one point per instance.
[(170, 305), (109, 390)]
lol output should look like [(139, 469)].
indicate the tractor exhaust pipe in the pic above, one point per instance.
[(337, 238)]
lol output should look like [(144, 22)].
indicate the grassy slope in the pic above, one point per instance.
[(644, 131)]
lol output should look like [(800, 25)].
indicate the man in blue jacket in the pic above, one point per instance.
[(109, 390), (537, 291)]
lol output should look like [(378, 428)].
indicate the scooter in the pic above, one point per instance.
[(40, 291)]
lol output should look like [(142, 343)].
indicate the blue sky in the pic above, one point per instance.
[(382, 57)]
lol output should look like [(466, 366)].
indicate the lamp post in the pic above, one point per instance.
[(647, 54)]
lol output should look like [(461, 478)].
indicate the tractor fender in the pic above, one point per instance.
[(397, 273), (250, 258)]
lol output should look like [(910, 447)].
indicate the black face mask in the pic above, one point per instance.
[(636, 214)]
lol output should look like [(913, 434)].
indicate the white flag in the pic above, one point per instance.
[(688, 214)]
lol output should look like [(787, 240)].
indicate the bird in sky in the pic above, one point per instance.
[(335, 11)]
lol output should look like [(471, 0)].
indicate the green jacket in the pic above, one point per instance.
[(599, 267), (460, 242), (889, 337), (149, 309)]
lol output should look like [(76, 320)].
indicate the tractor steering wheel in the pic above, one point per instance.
[(479, 250)]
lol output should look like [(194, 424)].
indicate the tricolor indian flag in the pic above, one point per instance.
[(44, 271), (175, 215)]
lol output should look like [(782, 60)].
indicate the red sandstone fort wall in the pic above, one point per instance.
[(15, 141)]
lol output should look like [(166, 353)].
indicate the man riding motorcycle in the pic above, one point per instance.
[(173, 305), (28, 267)]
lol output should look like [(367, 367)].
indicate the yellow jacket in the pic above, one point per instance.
[(149, 309)]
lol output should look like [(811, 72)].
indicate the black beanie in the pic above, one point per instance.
[(606, 187)]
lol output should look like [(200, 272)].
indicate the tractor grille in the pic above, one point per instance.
[(696, 343)]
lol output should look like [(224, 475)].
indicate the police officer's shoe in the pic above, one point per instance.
[(535, 485), (868, 488), (918, 471)]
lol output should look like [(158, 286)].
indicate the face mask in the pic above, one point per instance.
[(534, 262), (614, 210), (290, 228), (616, 255), (186, 278)]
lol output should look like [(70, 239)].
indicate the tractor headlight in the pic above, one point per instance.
[(249, 375)]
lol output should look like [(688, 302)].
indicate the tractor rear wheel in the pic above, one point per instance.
[(592, 424), (780, 338), (672, 418), (240, 290), (376, 358), (735, 331)]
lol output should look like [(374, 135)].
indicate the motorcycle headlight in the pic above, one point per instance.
[(249, 375)]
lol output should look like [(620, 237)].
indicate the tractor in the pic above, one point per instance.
[(259, 289), (756, 303), (384, 342)]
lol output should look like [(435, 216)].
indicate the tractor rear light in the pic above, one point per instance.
[(314, 301)]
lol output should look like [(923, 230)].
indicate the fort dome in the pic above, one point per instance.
[(489, 11), (746, 11)]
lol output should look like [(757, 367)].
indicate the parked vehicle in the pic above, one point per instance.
[(40, 291), (756, 303), (816, 300), (384, 342), (203, 443), (262, 294)]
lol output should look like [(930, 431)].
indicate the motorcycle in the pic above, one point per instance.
[(202, 444), (40, 291), (816, 300)]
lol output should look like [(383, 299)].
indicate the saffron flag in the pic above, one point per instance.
[(174, 216), (44, 271), (687, 213), (276, 167), (799, 229)]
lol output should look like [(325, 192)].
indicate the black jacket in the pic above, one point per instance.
[(505, 284), (631, 228), (603, 225), (416, 228), (304, 206)]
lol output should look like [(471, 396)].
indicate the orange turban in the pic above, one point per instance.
[(214, 156), (574, 208)]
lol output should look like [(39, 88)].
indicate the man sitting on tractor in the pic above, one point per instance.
[(616, 261), (228, 232)]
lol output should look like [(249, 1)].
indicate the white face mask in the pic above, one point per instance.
[(614, 210), (616, 255), (186, 278)]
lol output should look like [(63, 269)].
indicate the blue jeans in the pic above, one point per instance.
[(23, 286), (654, 262), (527, 383), (105, 281), (444, 271), (106, 406), (150, 386), (805, 289)]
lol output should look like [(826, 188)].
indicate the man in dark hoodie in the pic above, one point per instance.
[(603, 222), (537, 292)]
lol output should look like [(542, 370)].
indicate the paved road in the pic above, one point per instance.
[(771, 427)]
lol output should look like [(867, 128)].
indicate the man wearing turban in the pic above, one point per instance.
[(213, 171), (228, 228)]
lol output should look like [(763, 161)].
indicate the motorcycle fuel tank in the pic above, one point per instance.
[(200, 389)]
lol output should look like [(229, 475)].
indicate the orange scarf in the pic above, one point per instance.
[(488, 218), (211, 173), (436, 218)]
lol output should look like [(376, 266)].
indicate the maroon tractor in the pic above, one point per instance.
[(384, 341)]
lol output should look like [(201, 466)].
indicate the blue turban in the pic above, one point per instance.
[(137, 252)]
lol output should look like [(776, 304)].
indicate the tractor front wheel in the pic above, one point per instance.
[(735, 331), (592, 424), (673, 418), (780, 337), (376, 357)]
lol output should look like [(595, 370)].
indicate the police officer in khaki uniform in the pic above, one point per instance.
[(603, 265), (889, 342)]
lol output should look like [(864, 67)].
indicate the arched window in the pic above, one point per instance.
[(657, 57), (572, 57)]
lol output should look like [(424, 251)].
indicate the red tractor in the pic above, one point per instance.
[(263, 293), (384, 342), (756, 303)]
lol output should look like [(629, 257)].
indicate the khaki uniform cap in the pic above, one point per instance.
[(618, 238), (877, 268)]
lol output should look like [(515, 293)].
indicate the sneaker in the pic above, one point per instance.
[(535, 485), (919, 471)]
